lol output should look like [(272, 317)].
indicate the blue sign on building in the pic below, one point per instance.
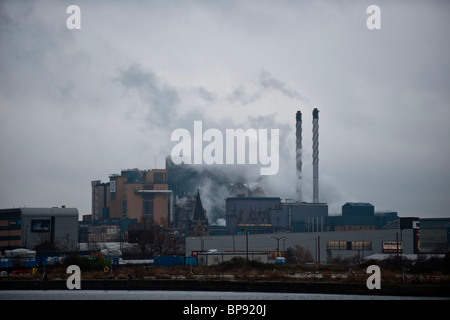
[(40, 225)]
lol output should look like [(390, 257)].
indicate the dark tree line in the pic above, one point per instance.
[(154, 239)]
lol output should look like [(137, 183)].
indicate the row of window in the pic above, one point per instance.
[(349, 245), (11, 225), (9, 238), (147, 206)]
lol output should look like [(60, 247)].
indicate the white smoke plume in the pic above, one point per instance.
[(162, 107)]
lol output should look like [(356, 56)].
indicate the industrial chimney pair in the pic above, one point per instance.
[(298, 117)]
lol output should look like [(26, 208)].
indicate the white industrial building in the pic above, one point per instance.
[(322, 245), (29, 227)]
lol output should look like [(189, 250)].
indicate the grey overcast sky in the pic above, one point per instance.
[(78, 105)]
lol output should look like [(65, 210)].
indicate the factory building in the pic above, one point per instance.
[(185, 179), (254, 214), (359, 216), (271, 214), (135, 194), (50, 228), (305, 217), (434, 235), (324, 246), (101, 197)]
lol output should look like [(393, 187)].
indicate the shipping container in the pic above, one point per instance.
[(190, 261), (168, 260)]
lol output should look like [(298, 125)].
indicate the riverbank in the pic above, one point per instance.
[(425, 290)]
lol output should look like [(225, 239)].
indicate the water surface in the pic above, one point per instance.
[(185, 295)]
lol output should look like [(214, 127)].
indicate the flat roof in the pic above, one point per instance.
[(359, 204), (305, 204), (254, 198), (49, 211)]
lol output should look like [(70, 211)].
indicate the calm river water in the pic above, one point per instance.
[(185, 295)]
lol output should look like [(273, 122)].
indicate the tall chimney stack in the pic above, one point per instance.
[(315, 155), (298, 150)]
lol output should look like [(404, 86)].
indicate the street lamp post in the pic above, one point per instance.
[(246, 241), (278, 244)]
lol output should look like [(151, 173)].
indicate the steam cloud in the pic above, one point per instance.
[(161, 104)]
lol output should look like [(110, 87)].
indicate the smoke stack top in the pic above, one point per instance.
[(298, 116), (315, 113)]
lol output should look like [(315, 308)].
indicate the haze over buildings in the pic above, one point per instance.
[(78, 105)]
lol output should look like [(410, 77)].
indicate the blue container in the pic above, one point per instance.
[(190, 261), (6, 263), (31, 263), (167, 261)]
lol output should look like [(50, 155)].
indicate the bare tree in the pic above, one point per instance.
[(154, 239), (145, 236), (66, 243), (302, 255)]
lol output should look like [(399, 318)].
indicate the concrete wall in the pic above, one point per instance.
[(308, 240)]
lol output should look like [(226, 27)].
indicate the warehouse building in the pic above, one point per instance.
[(30, 227), (271, 214), (359, 216), (324, 246), (435, 235), (305, 217), (252, 213)]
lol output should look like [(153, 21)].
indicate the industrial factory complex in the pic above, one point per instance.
[(253, 225)]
